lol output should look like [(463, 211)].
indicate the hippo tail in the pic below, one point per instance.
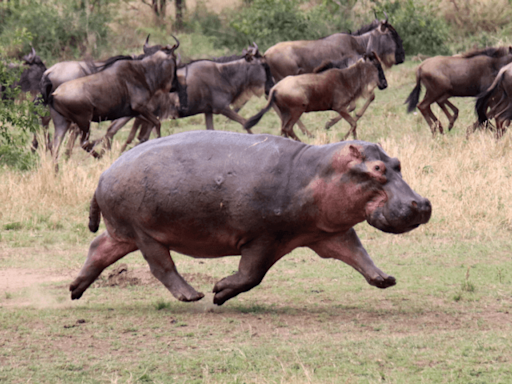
[(257, 117), (94, 215), (414, 96)]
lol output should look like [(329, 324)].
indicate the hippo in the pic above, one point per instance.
[(211, 194)]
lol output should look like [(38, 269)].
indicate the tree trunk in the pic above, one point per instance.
[(179, 14)]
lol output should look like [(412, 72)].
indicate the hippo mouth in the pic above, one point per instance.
[(392, 223)]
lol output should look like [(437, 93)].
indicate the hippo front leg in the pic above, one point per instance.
[(348, 248)]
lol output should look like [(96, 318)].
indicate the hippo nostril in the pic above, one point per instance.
[(414, 205)]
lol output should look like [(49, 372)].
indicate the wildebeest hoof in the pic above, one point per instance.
[(383, 282)]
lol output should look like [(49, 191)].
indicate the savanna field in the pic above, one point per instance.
[(311, 320)]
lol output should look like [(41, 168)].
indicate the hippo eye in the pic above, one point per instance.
[(377, 168)]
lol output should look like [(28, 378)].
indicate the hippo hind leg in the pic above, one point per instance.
[(104, 251), (163, 268), (253, 266)]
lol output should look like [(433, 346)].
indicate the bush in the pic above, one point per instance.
[(18, 118), (418, 26), (58, 28), (268, 22)]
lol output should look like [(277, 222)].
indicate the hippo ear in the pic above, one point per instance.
[(355, 152)]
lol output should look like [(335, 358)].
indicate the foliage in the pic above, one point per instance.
[(18, 118), (57, 27), (268, 22), (419, 26)]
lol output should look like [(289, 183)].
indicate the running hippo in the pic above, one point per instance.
[(211, 194)]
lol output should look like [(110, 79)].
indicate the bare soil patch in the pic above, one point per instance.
[(15, 279)]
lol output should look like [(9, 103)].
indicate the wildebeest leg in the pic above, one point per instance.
[(163, 268), (299, 123), (288, 120), (144, 133), (104, 251), (230, 114), (451, 118), (427, 113), (348, 248), (353, 124), (152, 119), (136, 124), (331, 122), (72, 139), (61, 127), (304, 130), (365, 107), (114, 127), (256, 260), (208, 118)]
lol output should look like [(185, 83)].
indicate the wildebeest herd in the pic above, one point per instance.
[(214, 194)]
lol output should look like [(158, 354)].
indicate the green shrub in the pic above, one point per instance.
[(58, 28), (419, 26), (18, 118), (268, 22)]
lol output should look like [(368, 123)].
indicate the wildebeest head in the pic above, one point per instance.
[(384, 40), (375, 60), (253, 56), (394, 206), (150, 50), (32, 73)]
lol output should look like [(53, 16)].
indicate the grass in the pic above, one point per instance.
[(448, 320)]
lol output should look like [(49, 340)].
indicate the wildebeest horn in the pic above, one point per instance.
[(176, 46), (146, 45), (255, 46), (33, 52), (385, 14)]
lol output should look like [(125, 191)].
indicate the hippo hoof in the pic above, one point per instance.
[(192, 297), (75, 295), (383, 282)]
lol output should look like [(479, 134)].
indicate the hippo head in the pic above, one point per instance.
[(393, 206)]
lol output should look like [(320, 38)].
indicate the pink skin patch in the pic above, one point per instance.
[(344, 203)]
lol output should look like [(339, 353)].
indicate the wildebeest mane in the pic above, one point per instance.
[(493, 52), (111, 61), (366, 28)]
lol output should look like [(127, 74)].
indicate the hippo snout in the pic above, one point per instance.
[(422, 210), (400, 216)]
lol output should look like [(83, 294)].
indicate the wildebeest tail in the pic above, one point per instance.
[(94, 215), (482, 100), (414, 96), (46, 88), (269, 82), (257, 117)]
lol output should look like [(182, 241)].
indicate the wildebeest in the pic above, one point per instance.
[(497, 98), (465, 75), (123, 89), (210, 86), (33, 69), (298, 57), (210, 194), (65, 71), (333, 89)]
